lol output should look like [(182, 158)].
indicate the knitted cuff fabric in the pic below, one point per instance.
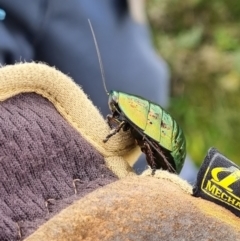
[(45, 165)]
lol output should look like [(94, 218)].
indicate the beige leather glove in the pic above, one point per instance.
[(59, 181)]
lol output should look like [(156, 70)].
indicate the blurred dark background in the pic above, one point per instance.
[(200, 40)]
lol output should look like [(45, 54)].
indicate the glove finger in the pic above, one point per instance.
[(140, 208), (51, 147)]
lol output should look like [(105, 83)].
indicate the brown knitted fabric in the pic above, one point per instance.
[(45, 165)]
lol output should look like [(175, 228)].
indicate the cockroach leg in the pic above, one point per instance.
[(114, 131)]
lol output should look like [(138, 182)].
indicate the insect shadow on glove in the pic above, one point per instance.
[(159, 136)]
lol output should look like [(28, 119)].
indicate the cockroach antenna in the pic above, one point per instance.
[(99, 57)]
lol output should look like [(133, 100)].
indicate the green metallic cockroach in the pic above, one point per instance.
[(155, 131)]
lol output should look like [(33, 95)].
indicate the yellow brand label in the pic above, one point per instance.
[(222, 183)]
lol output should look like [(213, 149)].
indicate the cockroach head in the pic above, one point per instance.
[(113, 101)]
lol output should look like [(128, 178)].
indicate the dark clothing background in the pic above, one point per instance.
[(57, 32)]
